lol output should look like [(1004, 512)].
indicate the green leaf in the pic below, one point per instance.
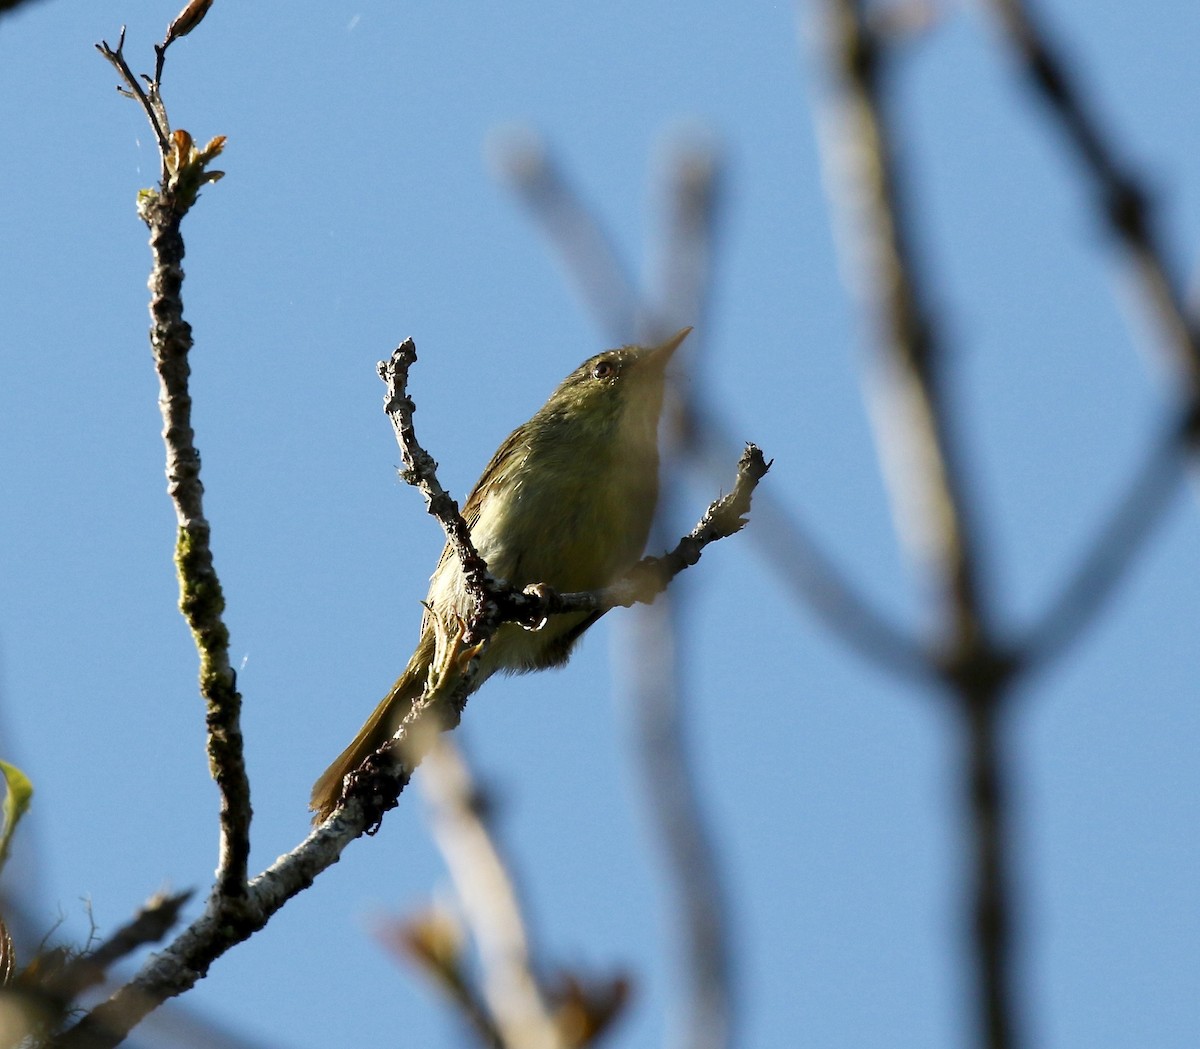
[(16, 802)]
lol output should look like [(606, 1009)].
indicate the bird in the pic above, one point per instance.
[(566, 502)]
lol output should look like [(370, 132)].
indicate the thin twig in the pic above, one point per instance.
[(420, 471), (150, 102)]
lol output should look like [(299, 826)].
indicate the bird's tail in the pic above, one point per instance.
[(380, 727)]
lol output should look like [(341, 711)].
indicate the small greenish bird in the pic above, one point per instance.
[(567, 501)]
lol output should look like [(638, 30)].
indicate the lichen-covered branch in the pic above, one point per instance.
[(186, 169)]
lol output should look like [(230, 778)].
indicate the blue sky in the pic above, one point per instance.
[(359, 208)]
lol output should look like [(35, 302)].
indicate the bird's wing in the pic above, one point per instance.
[(508, 459)]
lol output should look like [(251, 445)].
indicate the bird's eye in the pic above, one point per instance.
[(603, 370)]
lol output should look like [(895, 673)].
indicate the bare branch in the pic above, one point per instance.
[(150, 101), (1124, 203), (684, 247), (925, 478), (680, 831), (420, 470), (185, 170), (489, 902)]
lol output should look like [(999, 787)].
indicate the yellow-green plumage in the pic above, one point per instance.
[(567, 500)]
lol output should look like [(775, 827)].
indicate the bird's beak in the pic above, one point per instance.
[(661, 354)]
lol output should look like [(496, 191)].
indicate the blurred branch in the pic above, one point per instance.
[(925, 478), (684, 254), (687, 243), (585, 248), (1123, 201), (1110, 555), (7, 6), (222, 925), (38, 998), (151, 923), (489, 902), (433, 941), (800, 563), (702, 924), (202, 602)]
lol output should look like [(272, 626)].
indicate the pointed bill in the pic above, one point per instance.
[(659, 355)]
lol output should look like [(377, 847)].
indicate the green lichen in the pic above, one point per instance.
[(201, 599)]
